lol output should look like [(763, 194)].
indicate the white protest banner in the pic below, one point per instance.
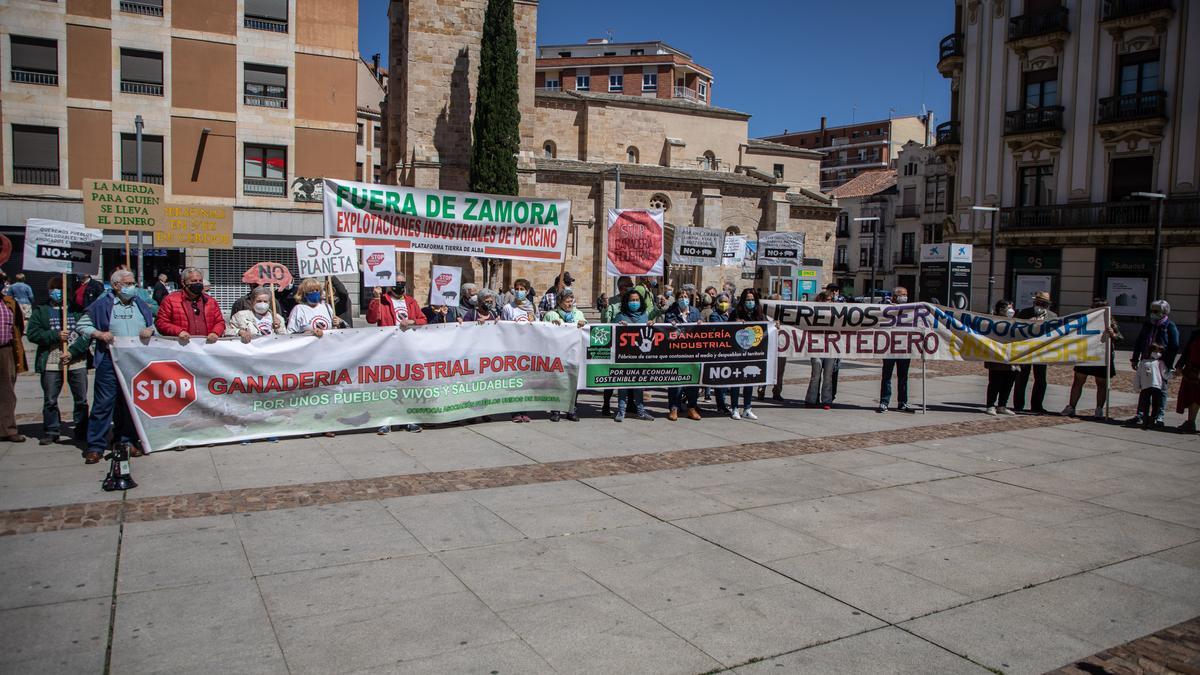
[(919, 329), (326, 257), (780, 248), (735, 250), (697, 246), (445, 287), (67, 248), (451, 223), (359, 378), (379, 265), (635, 242)]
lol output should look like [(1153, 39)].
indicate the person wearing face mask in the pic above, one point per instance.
[(633, 310), (1040, 311), (190, 311), (748, 308), (821, 373), (394, 307), (440, 314), (565, 313), (608, 315), (257, 319), (900, 366), (121, 313), (520, 309), (468, 298), (1001, 376), (720, 311), (1158, 328), (46, 330), (1101, 373), (12, 363), (679, 398), (549, 298), (486, 310), (1150, 378), (311, 315)]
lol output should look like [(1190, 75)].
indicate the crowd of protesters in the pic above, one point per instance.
[(97, 313)]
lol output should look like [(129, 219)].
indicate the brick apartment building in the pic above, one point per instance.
[(650, 69), (238, 98), (851, 149)]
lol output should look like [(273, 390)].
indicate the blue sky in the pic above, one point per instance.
[(786, 62)]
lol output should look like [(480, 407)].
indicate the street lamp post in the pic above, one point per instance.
[(1154, 280), (874, 232), (991, 254)]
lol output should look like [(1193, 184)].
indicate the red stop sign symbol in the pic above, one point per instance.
[(163, 389), (635, 242)]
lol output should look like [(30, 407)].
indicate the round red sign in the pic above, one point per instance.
[(5, 249), (163, 389), (635, 243)]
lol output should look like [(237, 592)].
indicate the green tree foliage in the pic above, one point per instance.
[(497, 124)]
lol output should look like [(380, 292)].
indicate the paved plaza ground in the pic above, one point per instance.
[(806, 542)]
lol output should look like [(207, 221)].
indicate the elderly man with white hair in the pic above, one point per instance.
[(1158, 328), (119, 313), (190, 311)]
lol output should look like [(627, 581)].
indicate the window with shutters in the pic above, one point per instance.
[(141, 72), (35, 155), (268, 15), (33, 60), (152, 158), (265, 86)]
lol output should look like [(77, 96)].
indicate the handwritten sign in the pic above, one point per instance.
[(196, 227), (327, 257), (268, 273), (122, 205)]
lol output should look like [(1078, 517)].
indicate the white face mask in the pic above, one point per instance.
[(901, 299), (261, 307), (1156, 355), (1010, 312)]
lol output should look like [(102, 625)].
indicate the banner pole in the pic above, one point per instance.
[(1108, 362), (924, 403), (271, 290), (128, 264), (63, 309), (332, 302)]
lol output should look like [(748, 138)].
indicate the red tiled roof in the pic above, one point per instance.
[(866, 183)]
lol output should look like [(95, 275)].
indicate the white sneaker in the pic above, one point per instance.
[(1100, 411), (749, 414), (1068, 411), (1004, 411), (735, 414), (991, 410)]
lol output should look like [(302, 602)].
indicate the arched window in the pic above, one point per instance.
[(631, 155), (660, 201), (709, 162), (733, 229), (549, 151)]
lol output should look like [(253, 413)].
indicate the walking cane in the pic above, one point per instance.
[(63, 307), (1108, 364)]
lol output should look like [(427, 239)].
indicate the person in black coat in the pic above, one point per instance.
[(1039, 312)]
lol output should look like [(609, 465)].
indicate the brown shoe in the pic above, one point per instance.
[(135, 451), (15, 438), (91, 458), (693, 414), (673, 415)]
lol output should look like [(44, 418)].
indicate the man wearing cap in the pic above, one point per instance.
[(1040, 311), (835, 293)]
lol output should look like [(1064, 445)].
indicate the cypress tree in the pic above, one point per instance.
[(497, 125)]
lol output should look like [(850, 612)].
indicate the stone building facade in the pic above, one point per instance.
[(695, 161)]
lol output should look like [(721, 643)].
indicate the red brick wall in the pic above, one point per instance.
[(666, 81), (633, 81), (566, 77)]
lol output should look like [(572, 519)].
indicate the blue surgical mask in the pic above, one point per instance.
[(684, 302), (127, 292), (56, 296), (634, 305), (312, 297), (750, 304), (519, 294)]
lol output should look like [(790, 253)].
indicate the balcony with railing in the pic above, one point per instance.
[(156, 178), (1033, 120), (267, 24), (841, 267), (688, 95), (34, 175), (1139, 106), (550, 87), (950, 54), (908, 211), (948, 133), (1131, 214), (143, 88), (23, 76), (1041, 24), (904, 258), (143, 8), (1113, 10), (264, 187)]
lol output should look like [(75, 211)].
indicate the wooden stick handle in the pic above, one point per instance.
[(63, 309)]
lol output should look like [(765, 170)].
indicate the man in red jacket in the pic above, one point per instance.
[(190, 311), (394, 308)]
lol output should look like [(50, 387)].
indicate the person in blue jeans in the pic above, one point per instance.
[(683, 399), (46, 330), (748, 308), (899, 366), (119, 313), (633, 309), (1158, 328)]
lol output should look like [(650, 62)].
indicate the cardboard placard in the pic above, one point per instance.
[(330, 257), (378, 266), (447, 282), (196, 227), (55, 246), (123, 205), (268, 274)]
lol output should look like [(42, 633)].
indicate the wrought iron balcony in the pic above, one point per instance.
[(266, 101), (156, 178), (35, 175), (264, 187), (143, 8), (34, 77), (1033, 25), (841, 267), (1142, 105), (908, 211), (144, 88), (1119, 9), (1131, 214), (948, 133), (950, 46), (270, 25), (1030, 120)]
